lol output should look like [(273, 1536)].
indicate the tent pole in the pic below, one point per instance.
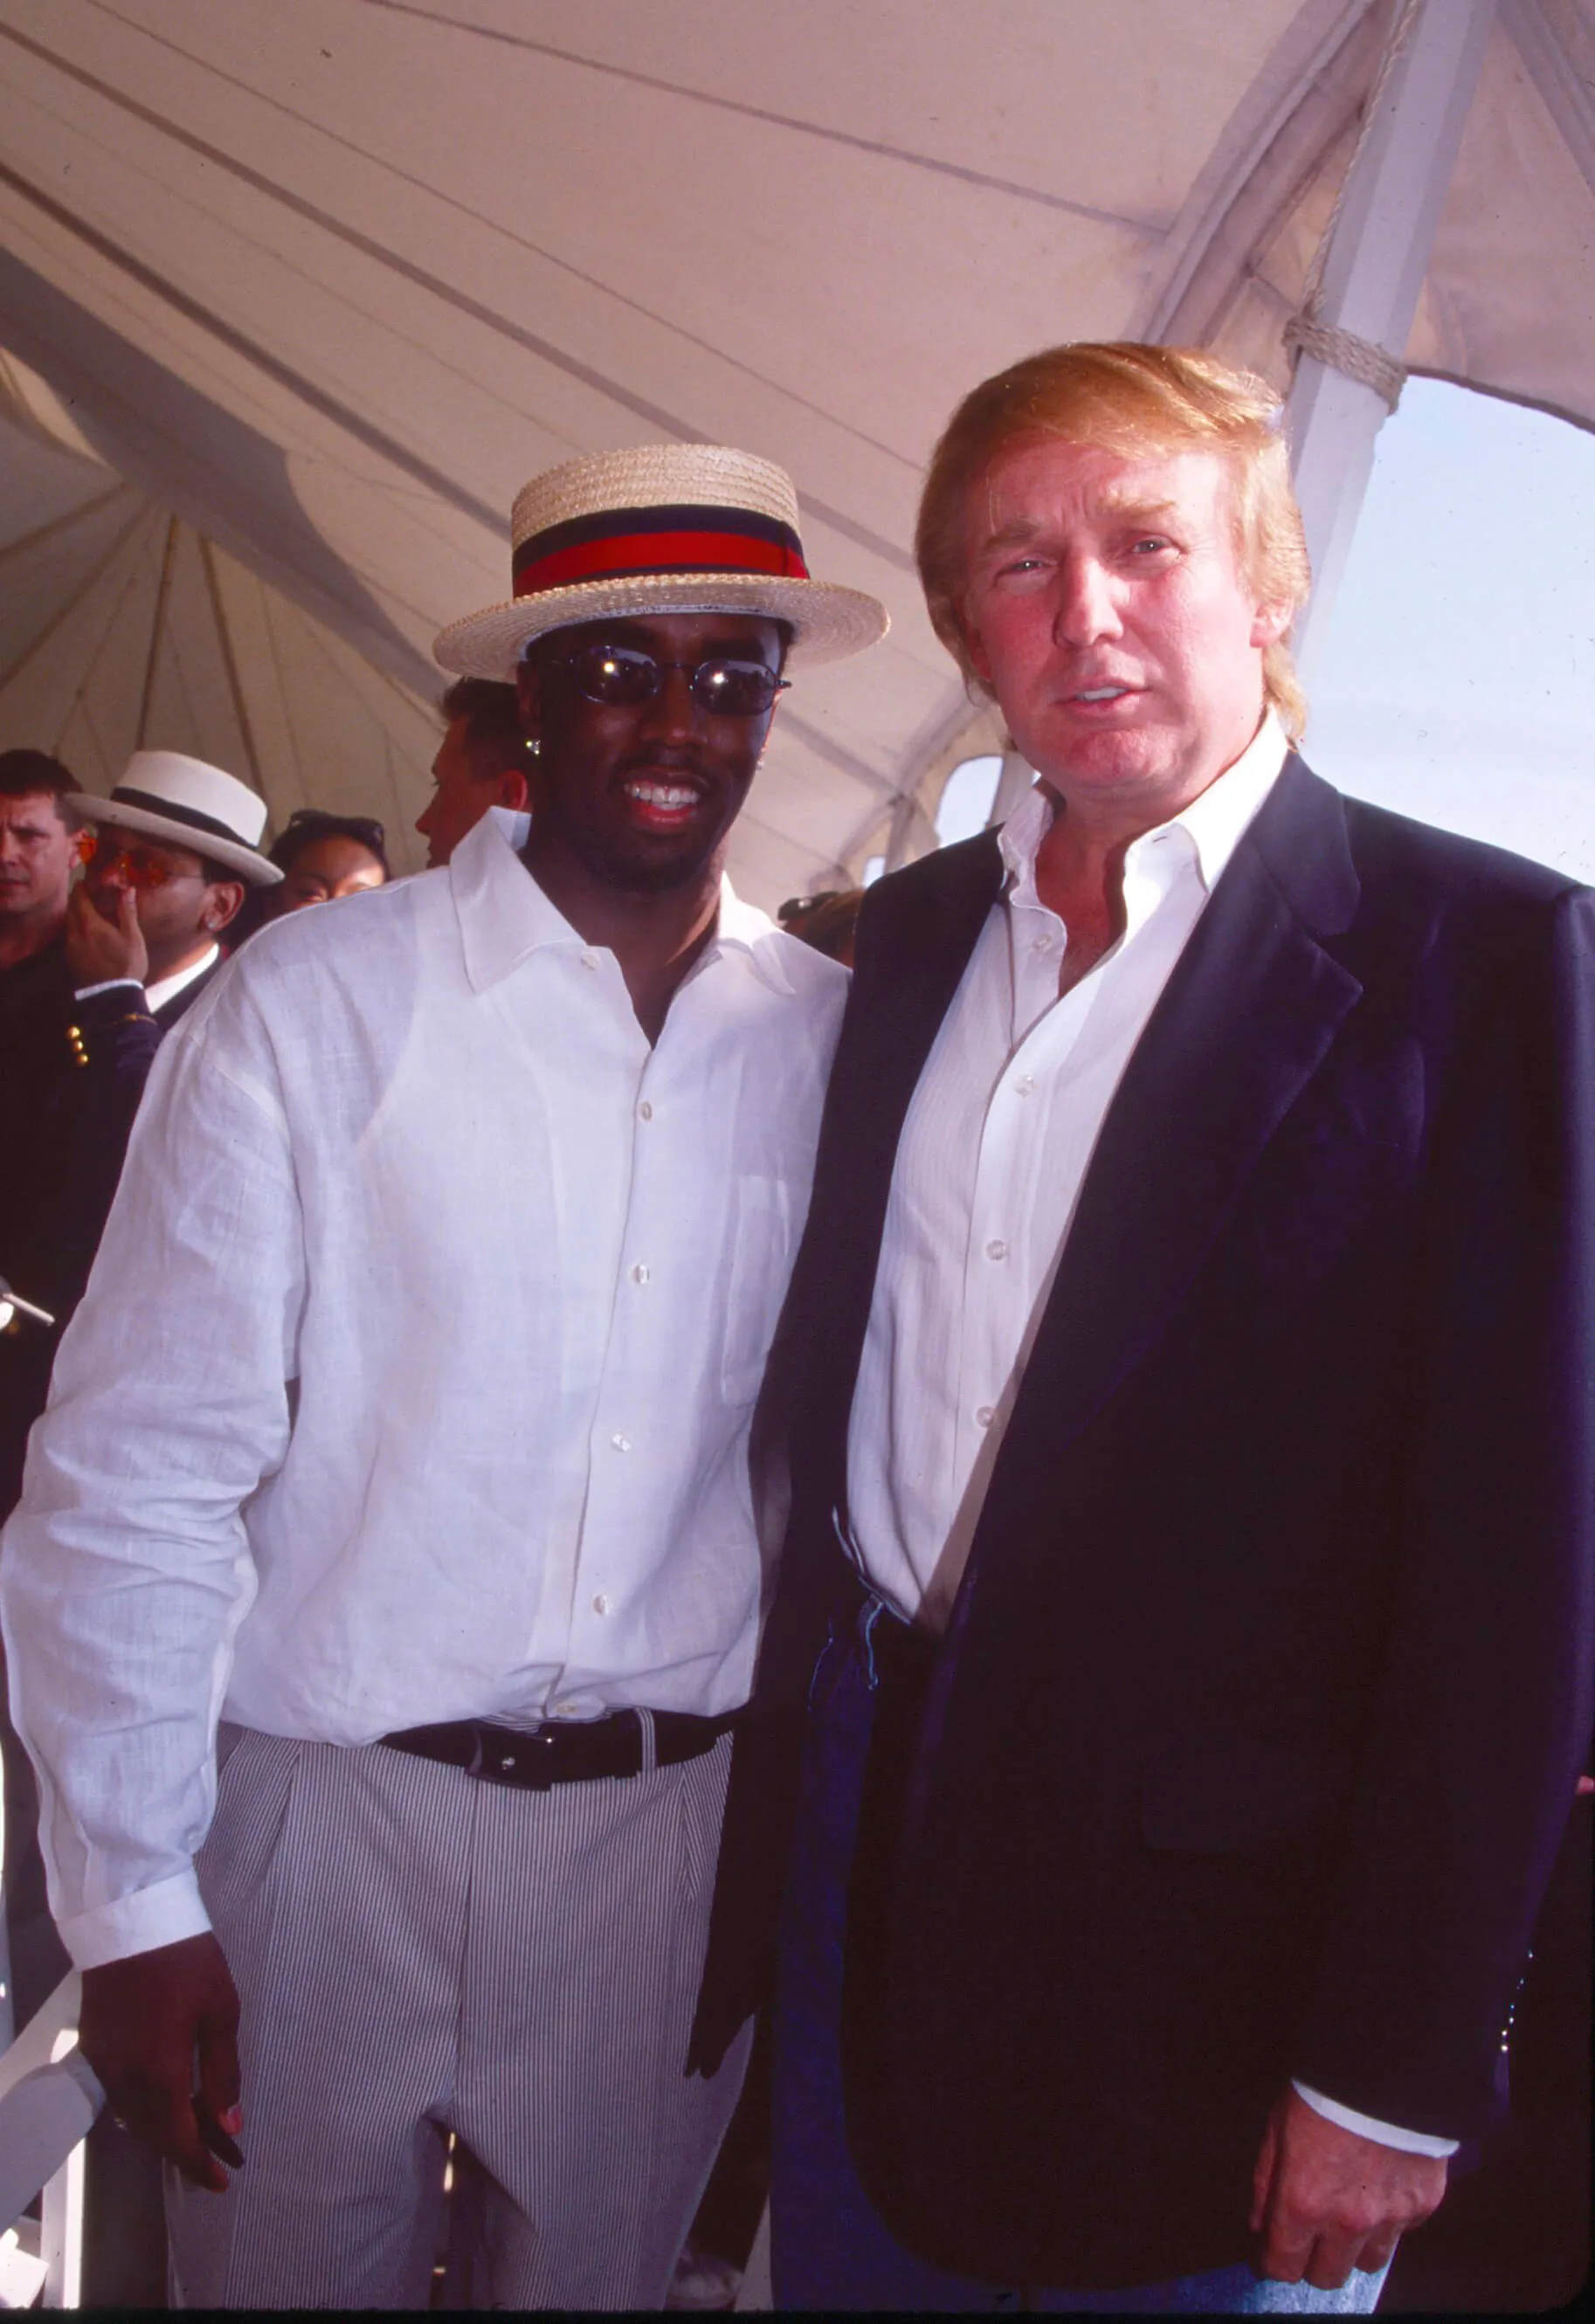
[(899, 832), (1371, 275), (162, 592), (224, 638)]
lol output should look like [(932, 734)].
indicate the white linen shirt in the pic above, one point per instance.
[(414, 1377)]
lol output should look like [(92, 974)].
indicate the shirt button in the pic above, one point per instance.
[(621, 1443), (561, 1710), (646, 1111), (985, 1415), (1041, 944), (639, 1273), (997, 1248), (589, 960), (601, 1603)]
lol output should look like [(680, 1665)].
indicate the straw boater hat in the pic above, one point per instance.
[(664, 528), (165, 796)]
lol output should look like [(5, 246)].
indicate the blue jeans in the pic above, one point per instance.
[(830, 2247)]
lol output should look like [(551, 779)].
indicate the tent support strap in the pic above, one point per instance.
[(151, 660)]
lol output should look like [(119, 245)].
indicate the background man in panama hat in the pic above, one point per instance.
[(175, 846), (431, 1483)]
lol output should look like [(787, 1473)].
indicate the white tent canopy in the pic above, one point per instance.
[(296, 298)]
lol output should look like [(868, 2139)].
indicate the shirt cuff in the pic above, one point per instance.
[(111, 984), (160, 1915), (1386, 2133)]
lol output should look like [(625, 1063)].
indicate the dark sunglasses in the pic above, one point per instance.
[(624, 677)]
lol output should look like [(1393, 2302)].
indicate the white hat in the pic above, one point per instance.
[(165, 796), (662, 528)]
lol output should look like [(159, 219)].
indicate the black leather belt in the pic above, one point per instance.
[(561, 1751)]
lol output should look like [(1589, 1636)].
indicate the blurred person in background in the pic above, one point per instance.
[(825, 921), (38, 854), (40, 841), (175, 852), (40, 845), (321, 858), (481, 762)]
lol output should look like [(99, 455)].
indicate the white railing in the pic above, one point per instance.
[(48, 2099)]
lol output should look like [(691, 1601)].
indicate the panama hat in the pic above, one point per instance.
[(165, 796), (662, 528)]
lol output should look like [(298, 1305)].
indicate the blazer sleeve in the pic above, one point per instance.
[(1483, 1702), (111, 1042)]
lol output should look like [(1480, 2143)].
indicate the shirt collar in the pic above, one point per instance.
[(753, 932), (505, 915), (1213, 823), (167, 988)]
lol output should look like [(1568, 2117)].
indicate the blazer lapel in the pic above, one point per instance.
[(923, 948), (915, 945)]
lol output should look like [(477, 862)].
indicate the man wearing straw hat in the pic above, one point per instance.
[(452, 1240)]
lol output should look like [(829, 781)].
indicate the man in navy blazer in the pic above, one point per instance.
[(1189, 1375)]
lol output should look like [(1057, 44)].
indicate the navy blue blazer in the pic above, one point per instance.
[(1257, 1718), (74, 1112)]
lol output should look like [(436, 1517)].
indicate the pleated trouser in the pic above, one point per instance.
[(418, 1952)]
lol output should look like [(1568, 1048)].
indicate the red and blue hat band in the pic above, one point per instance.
[(626, 544)]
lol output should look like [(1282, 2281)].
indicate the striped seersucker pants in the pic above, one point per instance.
[(418, 1952)]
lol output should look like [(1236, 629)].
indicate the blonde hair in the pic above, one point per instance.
[(1133, 400)]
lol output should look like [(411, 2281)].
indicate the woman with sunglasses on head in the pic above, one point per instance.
[(321, 857)]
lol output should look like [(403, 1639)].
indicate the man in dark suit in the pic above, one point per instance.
[(1189, 1367)]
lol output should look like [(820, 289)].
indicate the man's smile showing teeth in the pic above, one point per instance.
[(667, 798), (1101, 693)]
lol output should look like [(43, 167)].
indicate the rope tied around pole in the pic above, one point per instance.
[(1343, 351), (1347, 351)]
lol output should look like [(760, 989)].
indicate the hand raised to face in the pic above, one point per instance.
[(101, 949)]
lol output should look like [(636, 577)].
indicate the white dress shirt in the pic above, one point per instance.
[(993, 1152), (167, 988), (414, 1377), (994, 1149)]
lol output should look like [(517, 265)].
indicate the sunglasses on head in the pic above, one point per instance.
[(624, 677), (364, 829)]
